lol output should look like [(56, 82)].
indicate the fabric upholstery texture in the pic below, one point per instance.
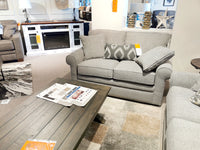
[(111, 36), (147, 40), (130, 71), (196, 86), (73, 60), (6, 45), (154, 57), (179, 105), (98, 67), (120, 52), (9, 31), (183, 135), (14, 49), (118, 83), (183, 79), (93, 46)]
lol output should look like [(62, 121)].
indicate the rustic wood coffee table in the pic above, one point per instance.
[(44, 120)]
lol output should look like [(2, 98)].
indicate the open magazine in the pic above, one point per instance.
[(68, 94)]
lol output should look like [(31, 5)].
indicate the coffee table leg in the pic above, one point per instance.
[(100, 118)]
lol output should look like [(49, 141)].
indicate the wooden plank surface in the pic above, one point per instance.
[(45, 120)]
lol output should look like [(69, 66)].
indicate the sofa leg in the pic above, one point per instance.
[(20, 60)]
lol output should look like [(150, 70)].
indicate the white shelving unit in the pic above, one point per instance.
[(40, 36)]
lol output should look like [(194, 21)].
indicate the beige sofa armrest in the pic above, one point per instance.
[(19, 49), (183, 79), (73, 60)]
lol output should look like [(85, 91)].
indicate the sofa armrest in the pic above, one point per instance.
[(73, 60), (19, 49), (163, 73), (183, 79)]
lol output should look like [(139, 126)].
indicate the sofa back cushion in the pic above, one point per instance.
[(93, 46), (6, 22), (111, 36), (147, 40)]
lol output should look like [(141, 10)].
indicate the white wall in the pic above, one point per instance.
[(186, 35), (41, 10), (104, 18)]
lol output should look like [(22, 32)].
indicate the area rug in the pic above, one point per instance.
[(18, 80), (129, 126)]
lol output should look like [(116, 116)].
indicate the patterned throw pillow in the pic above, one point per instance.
[(120, 52)]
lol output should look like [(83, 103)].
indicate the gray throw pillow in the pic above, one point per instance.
[(120, 52), (9, 30), (196, 86), (154, 57), (93, 46)]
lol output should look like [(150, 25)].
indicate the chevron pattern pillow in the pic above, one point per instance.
[(120, 52)]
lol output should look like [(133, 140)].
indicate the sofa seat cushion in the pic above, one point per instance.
[(130, 71), (179, 105), (97, 67), (6, 45), (183, 135)]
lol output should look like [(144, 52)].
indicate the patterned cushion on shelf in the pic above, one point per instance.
[(120, 52)]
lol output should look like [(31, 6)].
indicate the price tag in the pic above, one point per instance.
[(114, 5), (38, 39)]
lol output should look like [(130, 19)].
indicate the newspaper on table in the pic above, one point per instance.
[(68, 94)]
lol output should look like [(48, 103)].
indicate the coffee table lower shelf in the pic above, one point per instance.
[(43, 120)]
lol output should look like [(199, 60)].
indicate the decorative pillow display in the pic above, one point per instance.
[(9, 30), (195, 99), (120, 52), (154, 57), (93, 46), (196, 86)]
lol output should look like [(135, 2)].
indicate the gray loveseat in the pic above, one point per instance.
[(126, 78), (11, 46), (183, 117)]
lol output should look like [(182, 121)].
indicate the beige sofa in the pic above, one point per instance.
[(126, 78), (11, 46)]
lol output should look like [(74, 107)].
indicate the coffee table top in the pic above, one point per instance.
[(39, 119)]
